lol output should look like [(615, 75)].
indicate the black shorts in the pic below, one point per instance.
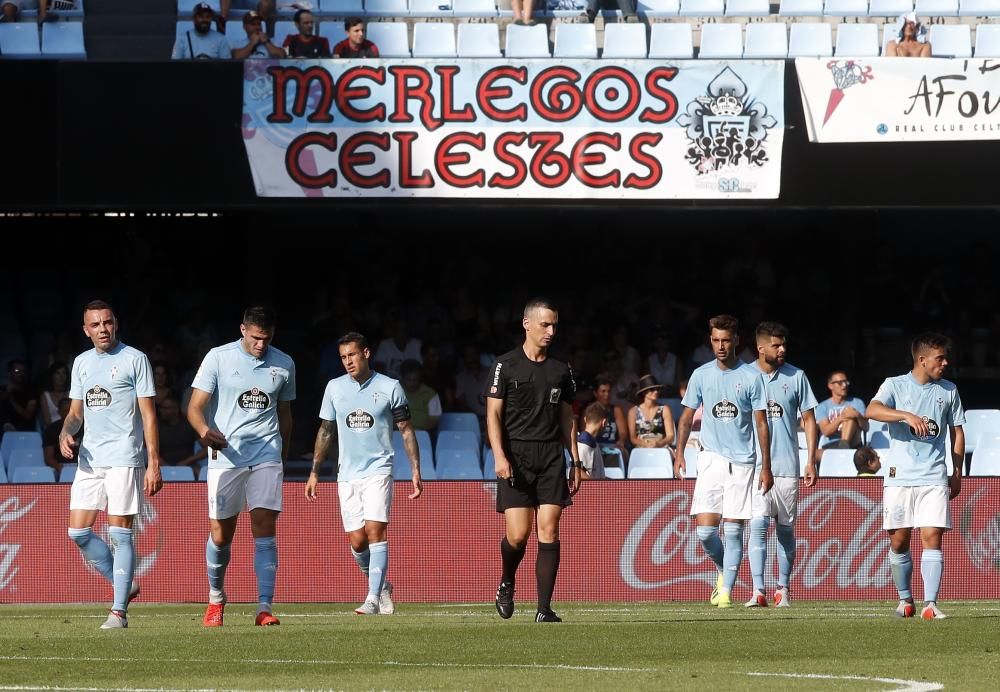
[(539, 477)]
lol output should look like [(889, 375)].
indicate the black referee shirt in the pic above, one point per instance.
[(531, 393)]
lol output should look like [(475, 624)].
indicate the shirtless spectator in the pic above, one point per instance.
[(911, 41)]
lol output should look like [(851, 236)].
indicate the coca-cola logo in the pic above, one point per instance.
[(774, 409), (725, 410), (10, 511)]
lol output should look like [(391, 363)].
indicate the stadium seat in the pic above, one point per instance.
[(401, 470), (846, 8), (878, 440), (527, 41), (391, 39), (985, 462), (800, 439), (19, 40), (284, 29), (951, 40), (748, 8), (478, 41), (463, 421), (612, 451), (614, 473), (461, 440), (985, 440), (424, 446), (489, 466), (674, 404), (670, 41), (766, 40), (67, 473), (341, 8), (430, 8), (702, 8), (987, 43), (800, 8), (984, 420), (203, 473), (656, 9), (19, 440), (33, 474), (237, 37), (690, 462), (25, 456), (979, 8), (332, 31), (650, 463), (837, 463), (3, 474), (474, 8), (63, 40), (576, 41), (875, 426), (176, 473), (857, 41), (387, 8), (812, 40), (434, 40), (624, 40), (721, 42), (453, 464), (889, 8), (937, 8)]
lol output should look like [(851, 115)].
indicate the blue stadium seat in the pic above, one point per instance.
[(3, 474), (951, 40), (987, 439), (889, 8), (237, 37), (614, 473), (203, 473), (430, 8), (63, 40), (527, 41), (721, 42), (624, 40), (985, 462), (424, 446), (387, 8), (282, 30), (650, 472), (766, 40), (19, 40), (453, 464), (468, 422), (857, 41), (671, 41), (341, 8), (987, 46), (67, 473), (979, 8), (401, 470), (702, 8), (25, 456), (474, 8), (461, 440), (800, 8), (800, 439), (391, 39), (171, 474), (434, 40), (748, 8), (846, 8), (937, 8), (489, 466), (333, 31), (690, 462), (837, 463), (878, 440), (576, 41), (656, 461), (477, 41), (33, 474), (19, 440), (656, 9)]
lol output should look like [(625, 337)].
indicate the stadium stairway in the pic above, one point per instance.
[(130, 30)]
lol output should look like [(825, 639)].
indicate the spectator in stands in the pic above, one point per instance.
[(356, 45), (627, 354), (522, 12), (627, 8), (50, 440), (649, 424), (203, 43), (438, 376), (594, 419), (470, 383), (867, 461), (265, 10), (259, 44), (615, 425), (56, 388), (911, 39), (306, 44), (177, 437), (393, 350), (162, 382), (10, 9), (425, 404), (841, 418), (623, 384), (664, 365), (20, 402)]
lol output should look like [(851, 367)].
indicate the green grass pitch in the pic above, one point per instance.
[(599, 646)]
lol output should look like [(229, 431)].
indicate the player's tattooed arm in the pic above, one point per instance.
[(324, 438)]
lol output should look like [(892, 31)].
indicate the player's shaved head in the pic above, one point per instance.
[(929, 341), (539, 303), (767, 330)]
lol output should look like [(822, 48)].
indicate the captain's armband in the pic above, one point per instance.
[(401, 413)]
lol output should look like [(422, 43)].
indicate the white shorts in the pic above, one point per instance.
[(364, 499), (781, 501), (230, 491), (118, 488), (722, 487), (912, 506)]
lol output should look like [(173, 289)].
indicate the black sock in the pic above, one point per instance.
[(511, 559), (546, 568)]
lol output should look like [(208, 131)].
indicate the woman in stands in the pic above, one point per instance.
[(911, 42), (649, 424), (56, 389)]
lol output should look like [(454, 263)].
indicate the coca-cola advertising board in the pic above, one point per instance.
[(621, 541)]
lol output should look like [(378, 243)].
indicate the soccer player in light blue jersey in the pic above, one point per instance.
[(361, 409), (111, 390), (920, 407), (241, 408), (735, 403), (788, 395)]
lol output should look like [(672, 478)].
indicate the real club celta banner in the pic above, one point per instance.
[(899, 99), (533, 128)]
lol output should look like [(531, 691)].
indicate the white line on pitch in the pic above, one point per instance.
[(904, 685)]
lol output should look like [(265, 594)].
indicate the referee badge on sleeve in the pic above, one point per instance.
[(554, 395)]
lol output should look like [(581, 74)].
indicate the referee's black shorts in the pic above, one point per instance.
[(539, 476)]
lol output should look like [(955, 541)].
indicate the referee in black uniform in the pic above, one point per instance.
[(529, 419)]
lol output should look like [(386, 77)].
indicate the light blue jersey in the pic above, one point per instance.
[(192, 45), (730, 398), (245, 394), (366, 415), (916, 460), (788, 392), (828, 409), (109, 385)]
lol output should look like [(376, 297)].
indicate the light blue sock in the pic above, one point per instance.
[(216, 559), (710, 541), (734, 553), (377, 567), (265, 566), (362, 558), (902, 573), (757, 547), (786, 553), (124, 566), (931, 566), (95, 550)]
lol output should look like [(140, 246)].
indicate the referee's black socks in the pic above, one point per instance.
[(511, 559), (546, 568)]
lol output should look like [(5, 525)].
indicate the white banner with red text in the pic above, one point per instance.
[(899, 100), (633, 129)]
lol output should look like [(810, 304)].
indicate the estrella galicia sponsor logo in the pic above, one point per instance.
[(360, 421), (774, 409), (97, 397), (725, 410), (932, 429), (254, 400)]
